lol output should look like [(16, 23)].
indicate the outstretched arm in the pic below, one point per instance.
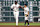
[(28, 11), (21, 7)]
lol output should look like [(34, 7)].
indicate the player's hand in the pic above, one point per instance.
[(26, 15), (22, 7)]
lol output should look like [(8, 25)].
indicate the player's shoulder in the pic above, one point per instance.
[(17, 4), (27, 7)]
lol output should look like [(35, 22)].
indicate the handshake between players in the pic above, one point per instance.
[(16, 7)]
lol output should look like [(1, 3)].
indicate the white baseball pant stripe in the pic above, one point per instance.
[(16, 14)]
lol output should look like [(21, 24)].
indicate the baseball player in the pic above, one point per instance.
[(15, 8), (26, 13)]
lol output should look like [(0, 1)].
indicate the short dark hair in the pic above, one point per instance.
[(26, 4), (16, 1)]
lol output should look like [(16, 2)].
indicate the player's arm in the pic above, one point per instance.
[(28, 12), (21, 7)]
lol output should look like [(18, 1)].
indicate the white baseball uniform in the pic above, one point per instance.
[(26, 12), (16, 12)]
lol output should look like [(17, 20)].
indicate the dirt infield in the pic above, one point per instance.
[(16, 26)]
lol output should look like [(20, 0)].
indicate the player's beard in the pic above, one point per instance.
[(15, 3)]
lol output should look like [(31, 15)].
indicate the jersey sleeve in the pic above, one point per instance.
[(12, 6)]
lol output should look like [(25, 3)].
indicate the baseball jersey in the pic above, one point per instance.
[(15, 7), (26, 10)]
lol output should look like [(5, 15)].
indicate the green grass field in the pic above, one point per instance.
[(18, 24)]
